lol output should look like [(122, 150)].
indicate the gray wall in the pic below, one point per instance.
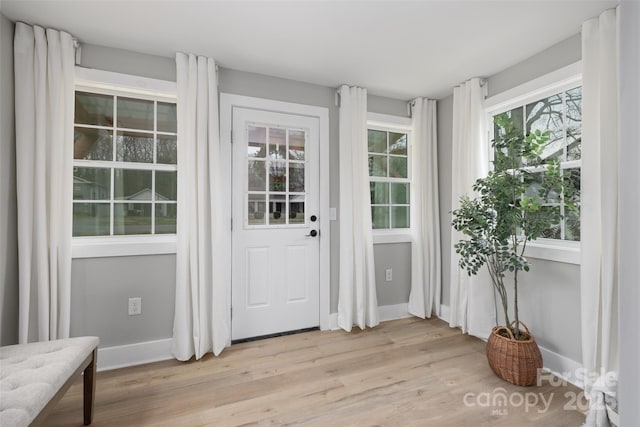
[(550, 292), (127, 62), (629, 387), (397, 257), (557, 56), (445, 128), (8, 220), (102, 286)]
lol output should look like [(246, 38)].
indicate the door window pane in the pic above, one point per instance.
[(296, 177), (256, 142), (296, 209), (277, 176), (257, 175), (278, 172), (256, 208), (277, 143), (296, 144), (277, 209)]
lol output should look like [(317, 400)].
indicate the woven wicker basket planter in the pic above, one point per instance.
[(512, 360)]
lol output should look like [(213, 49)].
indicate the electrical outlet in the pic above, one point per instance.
[(388, 274), (135, 306)]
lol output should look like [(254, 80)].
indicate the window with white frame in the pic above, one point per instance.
[(389, 177), (124, 168), (559, 112)]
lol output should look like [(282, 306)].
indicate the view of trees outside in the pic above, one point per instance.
[(388, 172), (111, 193), (561, 115)]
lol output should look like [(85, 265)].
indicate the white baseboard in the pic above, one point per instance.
[(333, 321), (393, 312), (385, 313), (155, 351), (123, 356), (444, 312), (557, 364), (563, 367)]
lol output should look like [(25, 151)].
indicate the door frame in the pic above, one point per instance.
[(227, 103)]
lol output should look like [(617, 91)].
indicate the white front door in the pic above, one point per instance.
[(275, 271)]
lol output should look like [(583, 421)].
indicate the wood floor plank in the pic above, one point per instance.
[(407, 372)]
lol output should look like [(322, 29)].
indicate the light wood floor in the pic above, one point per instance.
[(407, 372)]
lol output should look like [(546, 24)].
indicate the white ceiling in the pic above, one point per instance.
[(394, 48)]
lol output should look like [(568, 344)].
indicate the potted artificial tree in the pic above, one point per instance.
[(518, 201)]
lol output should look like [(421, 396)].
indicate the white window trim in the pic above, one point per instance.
[(114, 246), (565, 78), (388, 122), (554, 82), (565, 251), (111, 83)]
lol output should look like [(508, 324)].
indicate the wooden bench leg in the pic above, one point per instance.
[(90, 388)]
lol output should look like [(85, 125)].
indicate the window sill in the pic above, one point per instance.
[(380, 238), (554, 250), (115, 246)]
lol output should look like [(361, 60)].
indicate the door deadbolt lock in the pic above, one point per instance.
[(313, 218)]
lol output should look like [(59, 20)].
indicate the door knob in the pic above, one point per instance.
[(312, 233)]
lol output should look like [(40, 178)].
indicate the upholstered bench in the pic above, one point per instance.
[(35, 376)]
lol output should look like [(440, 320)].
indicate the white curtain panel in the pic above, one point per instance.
[(44, 93), (471, 298), (357, 301), (202, 312), (599, 212), (426, 281)]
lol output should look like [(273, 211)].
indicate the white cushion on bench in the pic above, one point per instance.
[(31, 374)]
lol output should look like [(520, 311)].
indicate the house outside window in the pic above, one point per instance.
[(125, 163), (389, 176)]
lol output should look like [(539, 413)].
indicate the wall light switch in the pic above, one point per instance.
[(135, 306), (388, 274)]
